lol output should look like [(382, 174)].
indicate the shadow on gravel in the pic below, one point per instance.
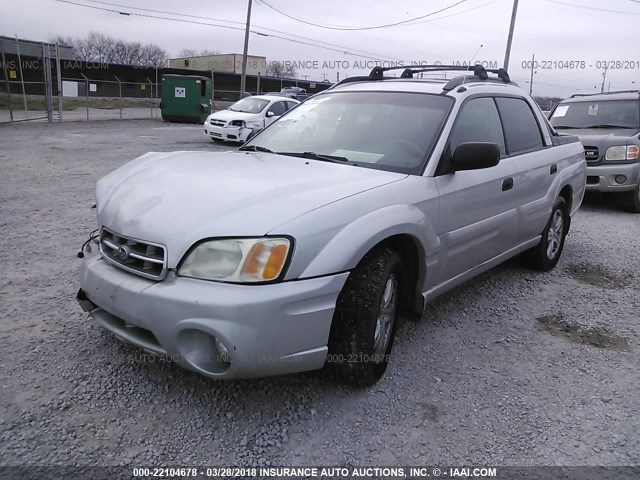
[(600, 201), (598, 276), (556, 326)]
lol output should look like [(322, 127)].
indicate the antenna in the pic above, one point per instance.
[(472, 59)]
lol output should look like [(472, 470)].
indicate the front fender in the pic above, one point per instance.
[(353, 241)]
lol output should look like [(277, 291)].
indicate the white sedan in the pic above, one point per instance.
[(246, 116)]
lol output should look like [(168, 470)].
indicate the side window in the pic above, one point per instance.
[(290, 105), (521, 129), (277, 108), (478, 121)]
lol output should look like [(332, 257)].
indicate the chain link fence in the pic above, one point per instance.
[(90, 99), (45, 82)]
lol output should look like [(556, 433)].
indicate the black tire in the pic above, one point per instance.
[(632, 201), (354, 354), (546, 254)]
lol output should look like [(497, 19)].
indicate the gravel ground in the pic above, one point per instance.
[(513, 368)]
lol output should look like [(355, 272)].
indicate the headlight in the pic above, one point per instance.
[(254, 124), (237, 123), (621, 152), (244, 260)]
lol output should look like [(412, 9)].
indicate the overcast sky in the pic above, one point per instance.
[(552, 30)]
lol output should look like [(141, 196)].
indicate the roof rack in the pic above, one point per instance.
[(479, 73), (604, 93)]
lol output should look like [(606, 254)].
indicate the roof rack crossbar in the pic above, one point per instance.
[(377, 73), (478, 71)]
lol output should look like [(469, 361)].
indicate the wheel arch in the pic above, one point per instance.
[(403, 228), (566, 193)]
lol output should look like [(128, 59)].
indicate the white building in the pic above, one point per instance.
[(228, 62)]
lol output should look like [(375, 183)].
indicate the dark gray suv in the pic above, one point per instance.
[(608, 125)]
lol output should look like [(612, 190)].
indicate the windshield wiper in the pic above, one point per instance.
[(255, 148), (316, 156), (564, 126), (607, 125)]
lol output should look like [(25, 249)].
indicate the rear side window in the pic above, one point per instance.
[(478, 121), (521, 130)]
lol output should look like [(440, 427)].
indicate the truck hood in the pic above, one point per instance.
[(179, 198), (603, 137)]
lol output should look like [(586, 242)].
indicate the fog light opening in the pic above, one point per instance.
[(203, 352), (620, 179)]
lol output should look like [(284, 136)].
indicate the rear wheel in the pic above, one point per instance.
[(364, 323), (632, 200), (546, 254)]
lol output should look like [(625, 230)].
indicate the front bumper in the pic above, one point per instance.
[(234, 134), (266, 329), (602, 178)]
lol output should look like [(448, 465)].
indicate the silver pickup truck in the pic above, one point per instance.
[(302, 249)]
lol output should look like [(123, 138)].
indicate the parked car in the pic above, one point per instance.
[(608, 125), (298, 93), (246, 117), (301, 250)]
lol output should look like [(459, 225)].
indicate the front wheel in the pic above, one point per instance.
[(365, 319), (546, 254), (632, 200)]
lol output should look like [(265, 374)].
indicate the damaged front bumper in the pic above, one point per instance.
[(219, 330)]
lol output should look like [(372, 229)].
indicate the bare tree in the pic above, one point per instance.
[(280, 69), (98, 47), (189, 52), (60, 40)]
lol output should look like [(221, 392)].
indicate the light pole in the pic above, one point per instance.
[(533, 61), (604, 77), (243, 77), (507, 53)]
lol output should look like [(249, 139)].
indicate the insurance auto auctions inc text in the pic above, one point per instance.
[(375, 472), (369, 64)]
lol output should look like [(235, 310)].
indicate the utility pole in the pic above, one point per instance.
[(533, 61), (507, 53), (243, 77), (604, 77)]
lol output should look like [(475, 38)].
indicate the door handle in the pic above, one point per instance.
[(553, 169), (507, 184)]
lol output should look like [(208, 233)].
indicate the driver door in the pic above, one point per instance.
[(478, 216)]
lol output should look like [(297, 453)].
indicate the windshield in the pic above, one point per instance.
[(383, 130), (249, 105), (603, 114)]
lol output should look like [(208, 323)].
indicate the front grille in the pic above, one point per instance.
[(218, 123), (143, 258), (592, 154)]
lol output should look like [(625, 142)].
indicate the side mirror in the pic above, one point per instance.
[(475, 155), (270, 114)]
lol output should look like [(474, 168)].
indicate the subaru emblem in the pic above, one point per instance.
[(123, 252)]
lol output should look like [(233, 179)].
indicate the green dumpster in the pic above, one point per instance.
[(185, 98)]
